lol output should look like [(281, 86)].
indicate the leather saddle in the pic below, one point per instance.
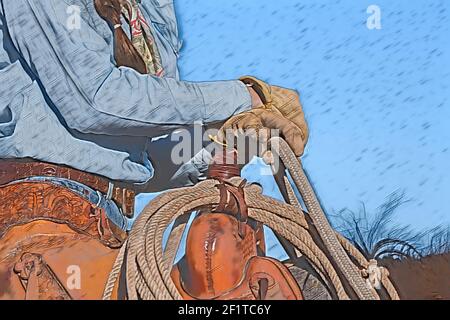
[(54, 244), (225, 259)]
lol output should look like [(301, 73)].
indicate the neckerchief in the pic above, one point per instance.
[(142, 38)]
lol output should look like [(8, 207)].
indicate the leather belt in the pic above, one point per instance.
[(15, 169)]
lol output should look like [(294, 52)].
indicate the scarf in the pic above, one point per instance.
[(139, 53)]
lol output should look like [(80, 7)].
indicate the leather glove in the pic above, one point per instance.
[(261, 120), (285, 101)]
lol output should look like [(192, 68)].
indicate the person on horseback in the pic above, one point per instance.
[(79, 106)]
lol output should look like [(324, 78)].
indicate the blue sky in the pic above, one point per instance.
[(377, 101)]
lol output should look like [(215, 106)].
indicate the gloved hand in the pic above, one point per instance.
[(276, 108), (286, 101), (259, 121)]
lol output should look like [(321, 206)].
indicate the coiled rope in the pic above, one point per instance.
[(148, 267)]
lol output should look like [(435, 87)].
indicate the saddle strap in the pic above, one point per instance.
[(12, 170), (38, 279), (232, 201)]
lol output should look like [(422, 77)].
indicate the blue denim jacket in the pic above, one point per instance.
[(63, 100)]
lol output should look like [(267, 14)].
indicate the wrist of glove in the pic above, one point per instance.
[(256, 99)]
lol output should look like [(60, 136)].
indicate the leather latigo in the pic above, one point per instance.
[(13, 170), (219, 264), (39, 279), (54, 244)]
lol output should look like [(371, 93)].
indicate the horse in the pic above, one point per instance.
[(427, 278)]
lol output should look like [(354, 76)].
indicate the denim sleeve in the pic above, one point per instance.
[(94, 96), (30, 129)]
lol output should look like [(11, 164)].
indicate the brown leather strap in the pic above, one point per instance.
[(232, 201), (238, 194), (263, 288), (14, 169), (224, 165), (39, 280)]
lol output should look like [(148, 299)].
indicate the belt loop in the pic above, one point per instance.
[(124, 201), (100, 196), (109, 194)]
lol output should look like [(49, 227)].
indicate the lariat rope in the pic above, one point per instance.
[(148, 266), (338, 246)]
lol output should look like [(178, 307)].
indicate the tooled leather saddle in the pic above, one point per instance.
[(225, 253), (54, 243)]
